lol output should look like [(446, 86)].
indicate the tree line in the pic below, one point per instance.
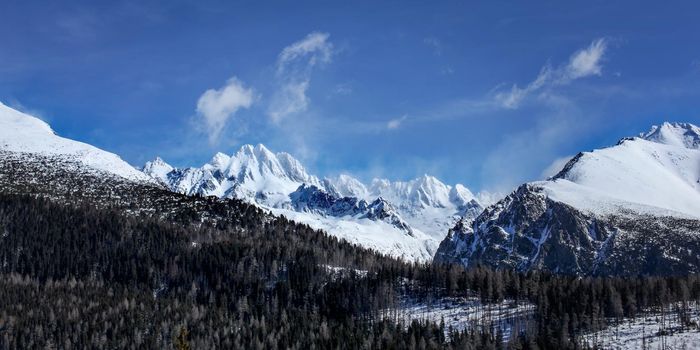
[(88, 276)]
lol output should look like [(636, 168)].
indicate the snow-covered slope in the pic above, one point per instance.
[(684, 135), (22, 133), (406, 219), (252, 173), (427, 203), (637, 174), (577, 221)]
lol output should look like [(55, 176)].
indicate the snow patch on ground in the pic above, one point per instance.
[(377, 235), (643, 331), (466, 313)]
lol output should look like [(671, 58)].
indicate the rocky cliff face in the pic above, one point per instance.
[(528, 230)]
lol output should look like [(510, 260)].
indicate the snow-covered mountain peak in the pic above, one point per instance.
[(385, 215), (22, 133), (348, 186), (263, 153), (423, 192), (219, 161), (461, 195), (13, 121), (433, 191), (158, 169), (631, 207), (675, 134), (258, 162), (636, 172)]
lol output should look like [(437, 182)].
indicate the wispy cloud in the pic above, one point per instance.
[(289, 99), (314, 48), (532, 149), (583, 63), (342, 89), (217, 106), (15, 104), (555, 167), (294, 66), (435, 44), (77, 26), (396, 122)]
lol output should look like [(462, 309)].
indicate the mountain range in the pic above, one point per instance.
[(403, 219), (632, 208)]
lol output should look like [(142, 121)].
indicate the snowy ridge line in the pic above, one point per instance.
[(403, 219), (22, 133), (626, 209)]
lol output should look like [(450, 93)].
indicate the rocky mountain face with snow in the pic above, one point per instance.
[(35, 162), (633, 208), (404, 219)]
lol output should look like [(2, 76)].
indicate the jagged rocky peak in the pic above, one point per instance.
[(418, 212), (380, 209), (158, 169), (258, 161), (432, 192), (309, 198), (675, 134)]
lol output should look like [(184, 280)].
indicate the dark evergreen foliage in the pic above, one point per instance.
[(91, 263)]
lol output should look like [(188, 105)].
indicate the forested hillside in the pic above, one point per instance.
[(92, 263)]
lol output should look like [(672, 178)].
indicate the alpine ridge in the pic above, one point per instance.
[(24, 134), (404, 219), (633, 208)]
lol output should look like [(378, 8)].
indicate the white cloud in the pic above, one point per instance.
[(586, 62), (396, 122), (315, 47), (216, 107), (522, 155), (583, 63), (290, 98), (487, 198), (294, 66)]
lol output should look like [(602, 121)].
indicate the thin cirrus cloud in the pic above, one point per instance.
[(294, 66), (583, 63), (217, 106), (395, 123)]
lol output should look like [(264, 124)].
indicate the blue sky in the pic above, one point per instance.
[(488, 95)]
